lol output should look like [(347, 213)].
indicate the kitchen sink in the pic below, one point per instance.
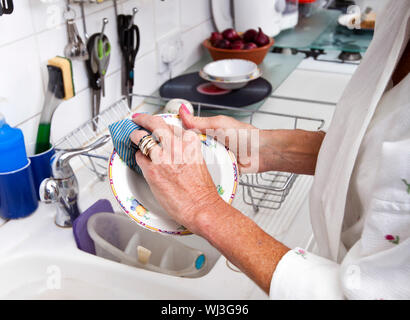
[(81, 276), (39, 260), (93, 190)]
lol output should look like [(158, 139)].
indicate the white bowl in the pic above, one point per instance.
[(137, 201), (231, 84), (230, 69)]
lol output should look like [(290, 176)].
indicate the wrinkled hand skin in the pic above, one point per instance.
[(259, 150), (243, 139), (177, 174), (180, 181)]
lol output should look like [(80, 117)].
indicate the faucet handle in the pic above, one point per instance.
[(49, 191), (60, 161), (62, 189), (64, 155)]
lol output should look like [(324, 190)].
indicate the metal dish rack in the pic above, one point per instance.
[(264, 190)]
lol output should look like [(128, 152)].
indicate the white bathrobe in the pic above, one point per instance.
[(360, 200)]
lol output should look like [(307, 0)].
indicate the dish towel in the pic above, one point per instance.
[(120, 134)]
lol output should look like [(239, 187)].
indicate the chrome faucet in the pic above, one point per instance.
[(62, 188)]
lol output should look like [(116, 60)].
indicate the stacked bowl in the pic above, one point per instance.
[(230, 74)]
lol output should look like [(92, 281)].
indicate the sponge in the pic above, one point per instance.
[(60, 86), (66, 68)]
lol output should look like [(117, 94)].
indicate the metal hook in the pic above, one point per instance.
[(83, 18), (115, 8), (105, 21), (134, 12), (69, 10)]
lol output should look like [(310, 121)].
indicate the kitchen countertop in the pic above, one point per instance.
[(307, 31), (322, 31), (276, 67)]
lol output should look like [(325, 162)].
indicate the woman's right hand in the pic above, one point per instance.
[(258, 150), (243, 139)]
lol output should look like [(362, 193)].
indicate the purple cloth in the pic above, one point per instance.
[(81, 236)]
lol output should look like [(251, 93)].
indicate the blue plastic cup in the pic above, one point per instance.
[(17, 193), (40, 166)]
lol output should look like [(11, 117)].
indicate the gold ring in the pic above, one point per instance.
[(146, 144)]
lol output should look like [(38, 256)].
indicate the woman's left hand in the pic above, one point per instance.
[(176, 172), (180, 181)]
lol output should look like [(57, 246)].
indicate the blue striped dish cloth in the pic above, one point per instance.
[(120, 134)]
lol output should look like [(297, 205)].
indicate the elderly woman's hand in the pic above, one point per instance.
[(243, 139), (259, 150), (180, 181), (176, 172)]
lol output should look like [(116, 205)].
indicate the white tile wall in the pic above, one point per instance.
[(36, 32), (166, 16), (194, 12)]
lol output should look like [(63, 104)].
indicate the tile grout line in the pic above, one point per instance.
[(88, 88), (61, 25), (56, 26), (78, 92)]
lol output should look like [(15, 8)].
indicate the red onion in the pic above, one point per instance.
[(215, 37), (250, 35), (230, 35), (223, 44), (249, 46), (261, 39), (238, 45)]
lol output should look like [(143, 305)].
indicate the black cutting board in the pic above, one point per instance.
[(185, 87)]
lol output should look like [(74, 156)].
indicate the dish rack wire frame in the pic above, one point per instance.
[(262, 190)]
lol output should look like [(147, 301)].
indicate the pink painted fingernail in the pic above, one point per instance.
[(135, 115), (184, 108)]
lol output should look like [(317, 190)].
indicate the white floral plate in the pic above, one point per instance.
[(137, 201)]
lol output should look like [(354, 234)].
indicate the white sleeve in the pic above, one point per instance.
[(377, 266), (303, 275)]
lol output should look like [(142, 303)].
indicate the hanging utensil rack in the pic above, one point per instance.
[(263, 190), (81, 3)]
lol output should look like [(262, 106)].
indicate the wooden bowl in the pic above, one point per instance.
[(255, 55)]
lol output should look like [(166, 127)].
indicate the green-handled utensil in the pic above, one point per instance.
[(102, 52), (60, 86)]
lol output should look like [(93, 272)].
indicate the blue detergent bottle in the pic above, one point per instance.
[(13, 154)]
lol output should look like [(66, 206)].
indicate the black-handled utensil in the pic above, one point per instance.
[(130, 49), (94, 77), (7, 6), (129, 37)]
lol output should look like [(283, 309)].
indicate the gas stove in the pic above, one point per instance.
[(329, 61)]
